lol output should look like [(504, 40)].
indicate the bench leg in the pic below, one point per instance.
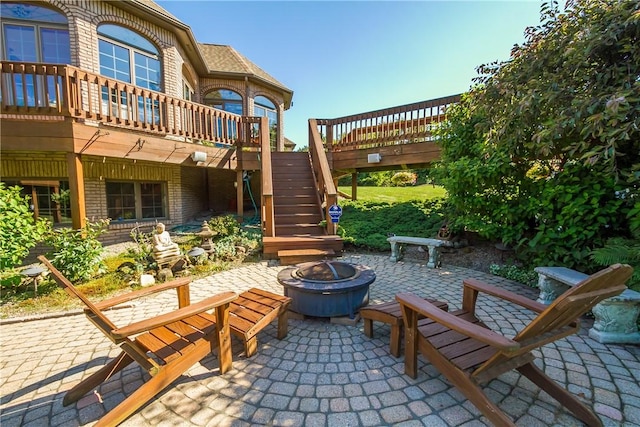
[(395, 254), (433, 257), (368, 327), (394, 345), (283, 325)]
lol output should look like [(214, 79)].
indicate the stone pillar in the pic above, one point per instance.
[(616, 319)]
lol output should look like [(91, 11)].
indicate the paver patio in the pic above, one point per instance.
[(321, 374)]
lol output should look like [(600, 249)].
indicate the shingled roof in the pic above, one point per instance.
[(225, 59), (219, 59)]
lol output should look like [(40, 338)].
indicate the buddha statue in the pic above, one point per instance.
[(163, 247)]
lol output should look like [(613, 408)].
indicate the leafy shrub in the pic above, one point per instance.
[(577, 210), (77, 253), (142, 253), (20, 231), (223, 226), (515, 273), (368, 224), (401, 179), (622, 250)]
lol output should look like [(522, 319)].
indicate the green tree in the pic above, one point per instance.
[(19, 229), (538, 152)]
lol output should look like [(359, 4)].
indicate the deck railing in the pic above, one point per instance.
[(65, 90), (405, 124)]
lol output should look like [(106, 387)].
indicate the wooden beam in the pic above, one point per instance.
[(76, 185), (240, 195)]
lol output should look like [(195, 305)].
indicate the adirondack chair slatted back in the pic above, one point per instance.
[(578, 300), (560, 318), (96, 316)]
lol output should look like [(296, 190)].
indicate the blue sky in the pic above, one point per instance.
[(348, 57)]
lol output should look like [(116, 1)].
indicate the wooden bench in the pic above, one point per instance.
[(252, 311), (431, 244), (390, 313)]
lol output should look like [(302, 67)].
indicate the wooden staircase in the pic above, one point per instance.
[(297, 210)]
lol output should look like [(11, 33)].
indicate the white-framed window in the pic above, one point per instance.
[(132, 200), (126, 55), (263, 107), (33, 33), (187, 90), (129, 57)]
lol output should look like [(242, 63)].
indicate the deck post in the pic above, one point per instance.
[(76, 185), (354, 186), (240, 195)]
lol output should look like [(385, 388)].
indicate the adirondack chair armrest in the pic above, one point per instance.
[(451, 321), (174, 316), (130, 296), (504, 294)]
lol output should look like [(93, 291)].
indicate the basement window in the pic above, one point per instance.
[(50, 199), (136, 200)]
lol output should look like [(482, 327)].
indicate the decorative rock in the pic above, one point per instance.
[(165, 274), (616, 319), (147, 280)]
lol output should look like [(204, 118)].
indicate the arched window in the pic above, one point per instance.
[(263, 107), (224, 99), (127, 56), (32, 33)]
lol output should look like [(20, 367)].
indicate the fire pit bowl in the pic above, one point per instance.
[(327, 288)]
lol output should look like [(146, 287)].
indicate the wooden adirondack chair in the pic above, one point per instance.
[(165, 346), (469, 354)]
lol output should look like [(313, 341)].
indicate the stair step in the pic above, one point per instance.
[(297, 218), (286, 180), (299, 230), (297, 256), (294, 199), (293, 208), (282, 193)]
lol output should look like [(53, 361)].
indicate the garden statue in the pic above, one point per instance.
[(163, 248), (206, 235)]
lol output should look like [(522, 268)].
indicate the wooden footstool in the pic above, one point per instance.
[(389, 312), (252, 311)]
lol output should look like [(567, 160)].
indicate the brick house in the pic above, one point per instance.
[(114, 110)]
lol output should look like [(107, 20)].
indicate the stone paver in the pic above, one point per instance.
[(321, 374)]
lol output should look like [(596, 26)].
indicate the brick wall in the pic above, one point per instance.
[(194, 192)]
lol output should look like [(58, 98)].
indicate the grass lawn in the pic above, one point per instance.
[(396, 194)]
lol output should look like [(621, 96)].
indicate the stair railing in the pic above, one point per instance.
[(268, 216), (324, 181)]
